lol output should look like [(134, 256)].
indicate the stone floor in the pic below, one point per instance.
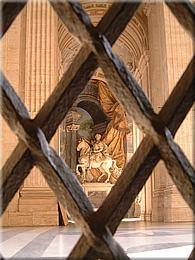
[(140, 240)]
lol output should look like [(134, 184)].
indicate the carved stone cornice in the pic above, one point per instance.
[(72, 127), (72, 117)]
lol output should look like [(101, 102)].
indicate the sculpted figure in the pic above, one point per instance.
[(97, 158), (84, 149), (99, 150)]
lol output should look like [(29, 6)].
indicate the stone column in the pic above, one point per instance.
[(12, 65), (143, 202), (129, 142), (170, 52), (38, 204), (146, 212), (179, 47), (71, 154), (69, 139), (158, 93)]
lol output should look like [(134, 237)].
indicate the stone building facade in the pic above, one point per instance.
[(37, 49)]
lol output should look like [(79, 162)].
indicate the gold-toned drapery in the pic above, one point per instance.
[(117, 127)]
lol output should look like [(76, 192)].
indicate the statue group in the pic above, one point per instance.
[(95, 155)]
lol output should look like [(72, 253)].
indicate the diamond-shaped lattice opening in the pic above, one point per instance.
[(134, 102)]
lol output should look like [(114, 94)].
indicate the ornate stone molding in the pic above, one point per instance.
[(72, 127), (72, 117), (134, 39)]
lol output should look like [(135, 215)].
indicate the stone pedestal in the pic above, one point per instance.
[(97, 192), (176, 209)]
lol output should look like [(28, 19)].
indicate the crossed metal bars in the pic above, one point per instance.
[(34, 135)]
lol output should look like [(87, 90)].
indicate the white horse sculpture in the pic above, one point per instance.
[(87, 162)]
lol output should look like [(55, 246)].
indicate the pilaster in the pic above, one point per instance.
[(68, 138), (37, 203), (158, 93), (179, 47), (170, 52), (12, 64)]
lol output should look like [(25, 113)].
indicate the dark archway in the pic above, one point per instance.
[(94, 110)]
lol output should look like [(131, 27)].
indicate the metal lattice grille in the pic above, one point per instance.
[(34, 135)]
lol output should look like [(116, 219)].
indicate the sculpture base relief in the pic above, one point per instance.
[(97, 192)]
